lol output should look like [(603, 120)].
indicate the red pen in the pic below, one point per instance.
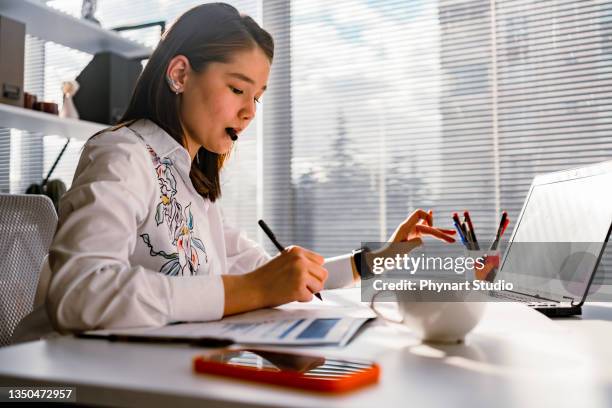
[(505, 226), (502, 222), (456, 218)]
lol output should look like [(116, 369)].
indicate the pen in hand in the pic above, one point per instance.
[(278, 246)]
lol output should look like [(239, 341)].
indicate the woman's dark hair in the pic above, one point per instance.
[(206, 33)]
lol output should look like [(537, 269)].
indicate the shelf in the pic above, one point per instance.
[(49, 24), (46, 123)]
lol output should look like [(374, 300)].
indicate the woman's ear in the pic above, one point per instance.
[(177, 72)]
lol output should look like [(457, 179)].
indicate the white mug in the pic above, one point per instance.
[(450, 317), (438, 322)]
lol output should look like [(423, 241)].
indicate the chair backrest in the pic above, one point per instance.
[(27, 226)]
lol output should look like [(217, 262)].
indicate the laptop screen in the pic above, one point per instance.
[(559, 238)]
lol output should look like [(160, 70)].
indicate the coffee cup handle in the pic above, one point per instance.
[(381, 315)]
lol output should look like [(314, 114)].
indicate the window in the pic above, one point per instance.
[(448, 105)]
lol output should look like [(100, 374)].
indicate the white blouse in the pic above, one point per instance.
[(136, 245)]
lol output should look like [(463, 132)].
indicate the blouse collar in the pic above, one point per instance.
[(163, 144)]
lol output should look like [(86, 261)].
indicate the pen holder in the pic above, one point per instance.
[(490, 264)]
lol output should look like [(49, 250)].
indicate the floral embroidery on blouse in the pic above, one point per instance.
[(186, 260)]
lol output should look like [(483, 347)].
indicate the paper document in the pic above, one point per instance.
[(293, 324)]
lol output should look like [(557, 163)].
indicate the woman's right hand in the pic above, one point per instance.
[(293, 275)]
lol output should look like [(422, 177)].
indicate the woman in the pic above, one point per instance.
[(141, 240)]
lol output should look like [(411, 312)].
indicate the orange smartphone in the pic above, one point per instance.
[(306, 372)]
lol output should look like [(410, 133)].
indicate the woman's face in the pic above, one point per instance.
[(222, 96)]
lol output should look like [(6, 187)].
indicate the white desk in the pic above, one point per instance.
[(515, 358)]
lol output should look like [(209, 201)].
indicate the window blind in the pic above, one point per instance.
[(554, 83), (389, 113), (448, 104)]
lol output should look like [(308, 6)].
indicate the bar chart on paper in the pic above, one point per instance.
[(298, 325)]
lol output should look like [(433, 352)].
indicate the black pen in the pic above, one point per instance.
[(143, 338), (468, 219), (278, 246)]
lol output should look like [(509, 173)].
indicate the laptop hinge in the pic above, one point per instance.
[(571, 300)]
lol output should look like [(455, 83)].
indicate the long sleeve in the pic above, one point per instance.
[(243, 254), (93, 284), (340, 272)]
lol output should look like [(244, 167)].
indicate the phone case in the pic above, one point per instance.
[(290, 370)]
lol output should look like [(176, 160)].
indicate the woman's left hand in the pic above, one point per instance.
[(419, 224), (410, 232)]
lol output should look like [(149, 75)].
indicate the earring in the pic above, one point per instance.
[(173, 85)]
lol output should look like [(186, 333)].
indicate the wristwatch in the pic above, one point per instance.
[(362, 267)]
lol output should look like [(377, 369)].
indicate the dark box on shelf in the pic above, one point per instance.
[(12, 48), (106, 86)]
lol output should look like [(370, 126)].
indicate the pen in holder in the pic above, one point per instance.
[(487, 268)]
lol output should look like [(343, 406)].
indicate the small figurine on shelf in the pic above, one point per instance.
[(69, 88), (88, 9)]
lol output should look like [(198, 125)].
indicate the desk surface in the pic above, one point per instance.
[(516, 357)]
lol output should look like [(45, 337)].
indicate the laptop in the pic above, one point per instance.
[(559, 239)]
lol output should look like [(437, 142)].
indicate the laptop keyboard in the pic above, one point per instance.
[(517, 297)]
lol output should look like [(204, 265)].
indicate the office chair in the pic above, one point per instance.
[(27, 225)]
